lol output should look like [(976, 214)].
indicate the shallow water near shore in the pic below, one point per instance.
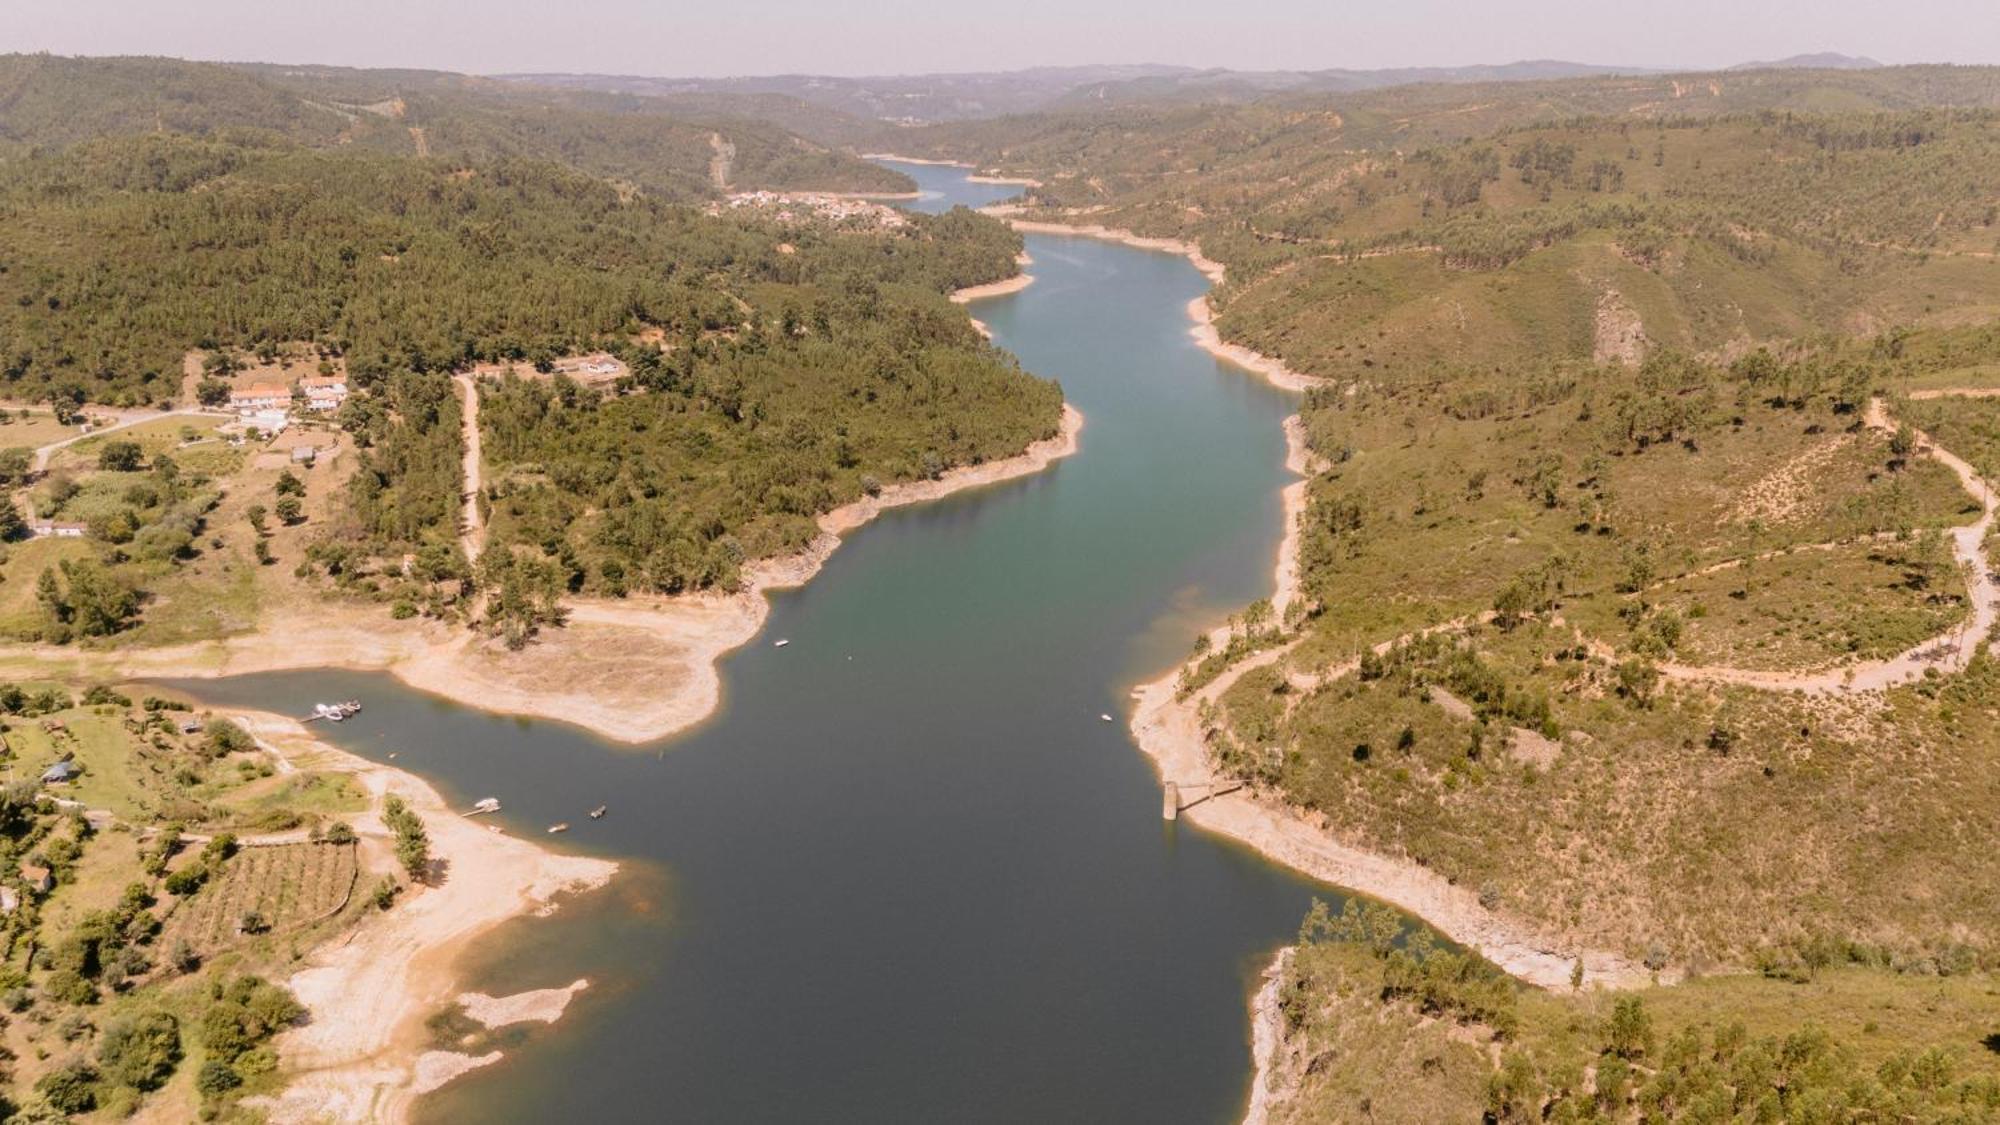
[(907, 872)]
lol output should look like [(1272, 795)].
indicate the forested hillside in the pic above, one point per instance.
[(1586, 238), (664, 149), (1158, 143), (774, 367), (1636, 574), (121, 255)]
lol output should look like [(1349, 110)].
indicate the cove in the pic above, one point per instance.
[(906, 873)]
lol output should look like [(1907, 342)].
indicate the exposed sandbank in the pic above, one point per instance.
[(1211, 268), (632, 670), (1272, 370), (1171, 732), (914, 160), (1200, 311), (1267, 1038), (542, 1005), (362, 1056), (976, 178), (999, 288)]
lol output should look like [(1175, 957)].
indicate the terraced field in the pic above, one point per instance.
[(290, 885)]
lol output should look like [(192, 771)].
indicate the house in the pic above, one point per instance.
[(56, 529), (260, 397), (10, 900), (324, 393), (61, 773), (304, 455), (39, 879), (592, 370)]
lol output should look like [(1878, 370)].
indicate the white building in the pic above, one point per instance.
[(261, 396), (324, 393)]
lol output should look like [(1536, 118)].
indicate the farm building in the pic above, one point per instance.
[(260, 397), (596, 370), (38, 878), (324, 392), (61, 772)]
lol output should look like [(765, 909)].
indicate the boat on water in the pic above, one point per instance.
[(555, 828), (598, 812), (781, 643), (1107, 718), (335, 712), (485, 805)]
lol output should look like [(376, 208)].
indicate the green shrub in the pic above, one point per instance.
[(71, 1088), (141, 1052)]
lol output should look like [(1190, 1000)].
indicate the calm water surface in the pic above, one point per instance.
[(906, 873)]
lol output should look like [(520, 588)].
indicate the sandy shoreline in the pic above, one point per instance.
[(999, 288), (1200, 311), (1267, 1038), (976, 178), (1171, 733), (914, 160), (1272, 370), (362, 1056), (1209, 267), (631, 670)]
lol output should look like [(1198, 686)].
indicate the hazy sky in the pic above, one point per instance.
[(715, 37)]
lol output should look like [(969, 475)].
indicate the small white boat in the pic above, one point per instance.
[(335, 712), (555, 828), (598, 812), (1107, 718), (485, 805), (781, 643)]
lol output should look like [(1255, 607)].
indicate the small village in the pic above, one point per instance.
[(814, 207)]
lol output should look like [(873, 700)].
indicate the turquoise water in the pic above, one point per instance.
[(906, 873)]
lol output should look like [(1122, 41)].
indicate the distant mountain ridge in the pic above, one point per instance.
[(933, 98), (666, 148), (939, 98), (899, 98), (1823, 60), (1240, 85)]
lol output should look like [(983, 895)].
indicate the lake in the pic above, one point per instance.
[(907, 873)]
